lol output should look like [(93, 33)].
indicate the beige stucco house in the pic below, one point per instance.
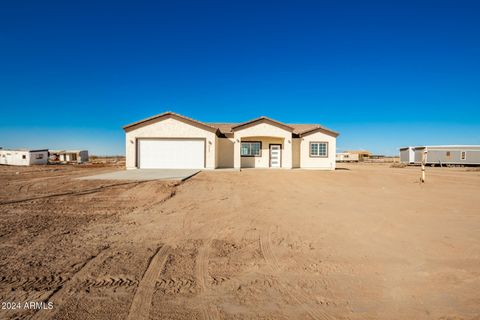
[(170, 140)]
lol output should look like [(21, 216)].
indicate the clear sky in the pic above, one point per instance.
[(384, 73)]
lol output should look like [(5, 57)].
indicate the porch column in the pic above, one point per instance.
[(287, 153), (236, 152)]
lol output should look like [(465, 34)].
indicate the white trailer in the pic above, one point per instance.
[(346, 157), (23, 157), (69, 156), (407, 155), (449, 155)]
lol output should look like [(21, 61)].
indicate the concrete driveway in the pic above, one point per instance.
[(145, 174)]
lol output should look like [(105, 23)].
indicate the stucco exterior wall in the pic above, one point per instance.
[(296, 152), (263, 131), (225, 152), (170, 128), (307, 162)]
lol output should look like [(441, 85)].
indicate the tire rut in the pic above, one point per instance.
[(110, 282), (302, 300), (60, 294), (70, 193), (202, 276), (141, 303)]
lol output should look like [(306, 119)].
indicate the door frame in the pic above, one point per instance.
[(137, 147), (270, 154)]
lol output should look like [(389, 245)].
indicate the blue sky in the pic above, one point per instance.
[(383, 73)]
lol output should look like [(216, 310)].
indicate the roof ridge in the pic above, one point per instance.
[(166, 113)]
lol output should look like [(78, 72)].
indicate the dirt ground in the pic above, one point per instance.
[(363, 242)]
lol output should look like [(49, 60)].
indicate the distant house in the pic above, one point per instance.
[(170, 140), (362, 154), (22, 157), (346, 157), (448, 155), (407, 155), (70, 156)]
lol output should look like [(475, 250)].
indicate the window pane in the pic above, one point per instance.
[(250, 149), (256, 148), (245, 150), (323, 149), (319, 149)]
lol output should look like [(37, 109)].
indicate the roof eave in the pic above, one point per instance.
[(171, 115), (319, 129), (275, 122)]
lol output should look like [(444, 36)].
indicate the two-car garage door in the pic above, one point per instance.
[(171, 153)]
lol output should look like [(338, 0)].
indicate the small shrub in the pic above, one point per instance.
[(398, 165)]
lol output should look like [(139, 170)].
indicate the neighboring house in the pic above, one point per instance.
[(347, 157), (407, 155), (170, 140), (76, 156), (23, 157), (449, 155), (362, 154)]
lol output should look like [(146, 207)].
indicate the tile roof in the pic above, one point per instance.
[(297, 128), (225, 128)]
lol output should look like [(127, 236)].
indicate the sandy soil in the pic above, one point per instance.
[(365, 242)]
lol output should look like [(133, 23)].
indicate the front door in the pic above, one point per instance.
[(275, 155)]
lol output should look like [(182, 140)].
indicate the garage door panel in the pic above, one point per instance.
[(172, 153)]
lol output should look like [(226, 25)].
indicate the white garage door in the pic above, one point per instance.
[(171, 153)]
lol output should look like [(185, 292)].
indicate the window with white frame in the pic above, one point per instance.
[(318, 149), (250, 149), (463, 155)]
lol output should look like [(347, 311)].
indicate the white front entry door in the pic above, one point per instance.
[(171, 153), (275, 155)]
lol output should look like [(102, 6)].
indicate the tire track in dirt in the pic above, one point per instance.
[(141, 303), (202, 276), (34, 283), (302, 300), (109, 282), (71, 193), (201, 273), (62, 292)]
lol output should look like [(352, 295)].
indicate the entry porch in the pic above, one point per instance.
[(262, 152)]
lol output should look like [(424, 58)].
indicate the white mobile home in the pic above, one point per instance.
[(23, 157), (346, 157), (449, 155), (70, 156), (407, 155)]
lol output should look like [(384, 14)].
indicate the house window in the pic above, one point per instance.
[(319, 149), (250, 149), (39, 156), (463, 155), (448, 153), (24, 157)]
